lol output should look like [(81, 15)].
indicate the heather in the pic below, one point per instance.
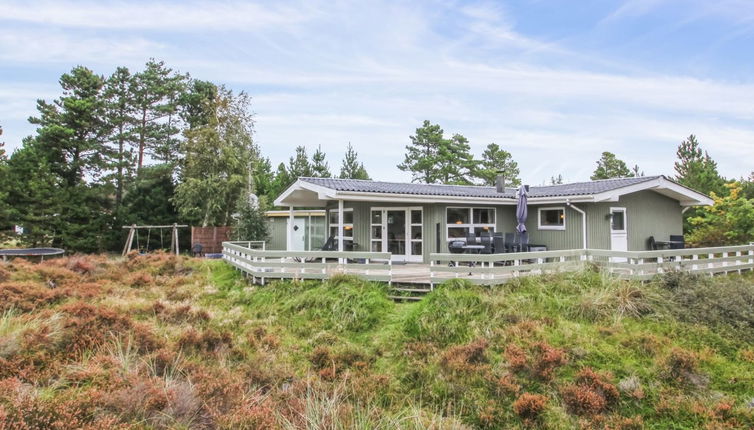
[(165, 342)]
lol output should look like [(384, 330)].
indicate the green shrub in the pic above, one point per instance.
[(722, 302), (448, 315), (343, 303)]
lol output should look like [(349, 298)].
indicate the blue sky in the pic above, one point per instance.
[(555, 82)]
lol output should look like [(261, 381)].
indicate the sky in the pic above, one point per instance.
[(555, 82)]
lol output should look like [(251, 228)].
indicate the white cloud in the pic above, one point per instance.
[(329, 73), (50, 46), (188, 16)]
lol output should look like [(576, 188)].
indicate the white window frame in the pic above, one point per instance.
[(330, 224), (409, 256), (551, 227), (625, 220), (470, 226)]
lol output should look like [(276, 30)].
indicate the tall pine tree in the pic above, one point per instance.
[(609, 166), (497, 161), (120, 110), (696, 169), (352, 168), (431, 158), (157, 90), (319, 166)]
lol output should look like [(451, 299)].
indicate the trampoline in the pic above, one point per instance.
[(30, 252)]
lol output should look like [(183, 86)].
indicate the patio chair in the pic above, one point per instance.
[(651, 243), (498, 244), (510, 242), (486, 241), (471, 239), (677, 241), (197, 249)]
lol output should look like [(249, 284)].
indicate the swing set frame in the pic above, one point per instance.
[(134, 233)]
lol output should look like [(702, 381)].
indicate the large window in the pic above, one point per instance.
[(551, 218), (461, 221), (347, 223)]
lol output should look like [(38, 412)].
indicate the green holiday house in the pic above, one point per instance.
[(413, 220)]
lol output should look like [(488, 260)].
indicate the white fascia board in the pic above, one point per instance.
[(323, 193), (417, 198), (692, 198)]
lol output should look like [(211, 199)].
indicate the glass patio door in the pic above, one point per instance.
[(398, 231)]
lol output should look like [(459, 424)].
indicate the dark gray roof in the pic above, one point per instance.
[(564, 190)]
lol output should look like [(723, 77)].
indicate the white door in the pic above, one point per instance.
[(618, 230), (398, 231), (298, 240)]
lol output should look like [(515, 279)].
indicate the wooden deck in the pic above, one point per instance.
[(490, 269)]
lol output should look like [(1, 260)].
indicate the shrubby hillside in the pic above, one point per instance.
[(163, 342)]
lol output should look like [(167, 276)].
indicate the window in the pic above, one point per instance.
[(461, 221), (551, 218), (347, 223), (618, 219)]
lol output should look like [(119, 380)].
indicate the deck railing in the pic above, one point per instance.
[(487, 269), (262, 265), (641, 265)]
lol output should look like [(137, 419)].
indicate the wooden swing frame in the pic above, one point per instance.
[(133, 231)]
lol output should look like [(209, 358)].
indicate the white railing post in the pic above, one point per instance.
[(694, 266), (710, 264)]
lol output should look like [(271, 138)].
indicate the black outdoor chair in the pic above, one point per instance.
[(486, 241), (498, 244), (677, 241), (471, 239), (510, 242), (197, 249), (330, 244), (651, 243)]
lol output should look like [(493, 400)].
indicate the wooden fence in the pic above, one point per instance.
[(488, 269), (263, 265)]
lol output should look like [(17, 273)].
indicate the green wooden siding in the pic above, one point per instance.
[(278, 232), (647, 214)]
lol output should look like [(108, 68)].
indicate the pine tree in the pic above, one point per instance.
[(120, 110), (423, 152), (696, 169), (609, 166), (455, 162), (281, 181), (299, 165), (319, 166), (197, 102), (157, 90), (496, 161), (352, 168), (59, 169), (431, 158), (72, 129), (264, 179)]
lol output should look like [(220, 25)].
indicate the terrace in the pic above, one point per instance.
[(491, 269)]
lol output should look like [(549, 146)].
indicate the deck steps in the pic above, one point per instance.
[(403, 298), (408, 291)]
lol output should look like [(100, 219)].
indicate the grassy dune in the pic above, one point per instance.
[(166, 342)]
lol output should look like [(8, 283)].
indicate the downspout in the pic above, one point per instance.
[(683, 211), (583, 222)]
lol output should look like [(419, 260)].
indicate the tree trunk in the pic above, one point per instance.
[(142, 139)]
